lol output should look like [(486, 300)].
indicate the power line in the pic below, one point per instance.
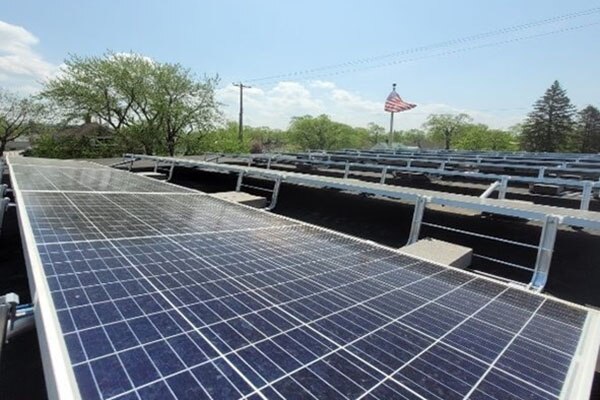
[(462, 40), (444, 53)]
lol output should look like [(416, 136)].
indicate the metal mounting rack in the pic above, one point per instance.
[(550, 217)]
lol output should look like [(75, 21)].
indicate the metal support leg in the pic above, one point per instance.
[(586, 195), (3, 207), (383, 175), (269, 162), (541, 172), (346, 170), (130, 165), (494, 185), (503, 187), (238, 185), (249, 161), (545, 250), (275, 195), (415, 227), (171, 172), (155, 167)]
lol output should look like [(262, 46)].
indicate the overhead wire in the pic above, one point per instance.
[(368, 62)]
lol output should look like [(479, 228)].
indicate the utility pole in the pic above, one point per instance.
[(241, 122)]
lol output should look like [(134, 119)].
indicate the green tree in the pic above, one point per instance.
[(17, 116), (149, 105), (414, 137), (308, 132), (444, 127), (481, 137), (265, 139), (376, 131), (550, 124), (588, 130)]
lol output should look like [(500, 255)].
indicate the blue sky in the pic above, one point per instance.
[(243, 40)]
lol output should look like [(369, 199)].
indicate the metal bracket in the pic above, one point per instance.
[(346, 170), (8, 307), (274, 195), (541, 172), (383, 174), (171, 172), (238, 185), (545, 251), (4, 204), (130, 167), (586, 195), (415, 227), (490, 190), (501, 186)]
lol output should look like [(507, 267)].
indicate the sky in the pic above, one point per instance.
[(491, 59)]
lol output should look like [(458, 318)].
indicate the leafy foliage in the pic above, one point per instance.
[(321, 132), (148, 103), (445, 127), (163, 108), (481, 137)]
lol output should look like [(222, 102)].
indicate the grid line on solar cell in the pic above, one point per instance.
[(58, 178), (183, 317), (319, 332), (106, 216), (129, 215), (298, 320)]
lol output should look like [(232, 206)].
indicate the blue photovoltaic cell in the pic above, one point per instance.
[(187, 296), (72, 177)]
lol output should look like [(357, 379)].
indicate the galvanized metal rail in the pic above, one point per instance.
[(520, 157), (532, 167), (500, 182), (550, 217)]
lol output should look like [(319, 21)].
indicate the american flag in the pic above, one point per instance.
[(394, 103)]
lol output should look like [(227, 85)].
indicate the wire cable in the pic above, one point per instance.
[(448, 43), (441, 54)]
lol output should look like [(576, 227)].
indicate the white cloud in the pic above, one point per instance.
[(21, 67), (276, 106)]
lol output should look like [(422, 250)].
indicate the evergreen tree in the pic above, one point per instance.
[(550, 124), (588, 130)]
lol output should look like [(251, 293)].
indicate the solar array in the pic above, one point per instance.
[(148, 291)]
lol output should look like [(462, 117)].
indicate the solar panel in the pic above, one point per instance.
[(58, 177), (179, 295)]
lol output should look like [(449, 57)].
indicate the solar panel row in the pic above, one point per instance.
[(178, 295)]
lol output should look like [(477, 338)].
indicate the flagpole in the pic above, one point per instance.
[(391, 139)]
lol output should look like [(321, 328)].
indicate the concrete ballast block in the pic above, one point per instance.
[(243, 198), (155, 175), (440, 252), (552, 190)]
